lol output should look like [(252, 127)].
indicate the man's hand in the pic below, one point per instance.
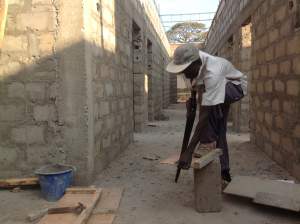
[(185, 161)]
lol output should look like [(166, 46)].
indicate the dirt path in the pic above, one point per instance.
[(152, 197)]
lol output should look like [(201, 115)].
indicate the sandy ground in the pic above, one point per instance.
[(151, 196)]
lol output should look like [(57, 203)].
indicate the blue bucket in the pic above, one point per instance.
[(54, 179)]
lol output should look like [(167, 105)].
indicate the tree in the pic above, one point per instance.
[(187, 32)]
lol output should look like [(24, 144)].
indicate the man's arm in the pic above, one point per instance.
[(186, 157)]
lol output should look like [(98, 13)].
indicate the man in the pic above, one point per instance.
[(218, 85)]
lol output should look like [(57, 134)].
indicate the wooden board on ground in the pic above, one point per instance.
[(105, 210), (277, 201), (110, 201), (287, 194), (197, 163), (102, 219), (16, 182), (89, 200)]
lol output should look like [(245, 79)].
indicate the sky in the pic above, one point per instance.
[(187, 6)]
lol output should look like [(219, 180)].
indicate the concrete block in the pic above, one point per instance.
[(292, 87), (33, 45), (104, 108), (15, 43), (28, 135), (36, 91), (279, 86), (44, 113), (46, 43), (285, 28), (260, 88), (289, 107), (37, 155), (269, 119), (12, 68), (276, 105), (287, 144), (285, 67), (53, 91), (293, 46), (109, 89), (39, 21), (279, 121), (8, 156), (296, 131), (280, 14), (275, 138), (98, 127), (208, 188), (16, 90), (273, 70), (296, 65), (273, 35), (269, 86), (106, 141), (280, 49), (12, 112)]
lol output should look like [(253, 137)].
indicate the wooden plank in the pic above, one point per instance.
[(3, 16), (172, 160), (278, 201), (199, 163), (8, 183), (110, 201), (102, 219), (70, 199), (249, 187), (81, 190)]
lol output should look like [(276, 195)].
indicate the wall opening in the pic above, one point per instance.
[(150, 80), (140, 79)]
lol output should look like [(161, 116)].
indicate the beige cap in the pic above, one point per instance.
[(183, 57)]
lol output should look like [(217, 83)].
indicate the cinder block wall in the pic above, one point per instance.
[(275, 83), (66, 93), (274, 71)]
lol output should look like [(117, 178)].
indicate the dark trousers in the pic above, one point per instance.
[(212, 125), (213, 128)]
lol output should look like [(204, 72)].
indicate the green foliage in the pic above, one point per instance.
[(186, 32)]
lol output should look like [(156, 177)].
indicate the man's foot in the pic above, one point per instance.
[(226, 175)]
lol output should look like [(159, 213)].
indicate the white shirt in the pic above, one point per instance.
[(214, 73)]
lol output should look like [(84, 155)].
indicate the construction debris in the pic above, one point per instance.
[(17, 182), (272, 193), (57, 210), (94, 206), (16, 190), (151, 157), (87, 199)]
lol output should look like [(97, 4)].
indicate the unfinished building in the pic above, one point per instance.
[(262, 38), (77, 78)]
